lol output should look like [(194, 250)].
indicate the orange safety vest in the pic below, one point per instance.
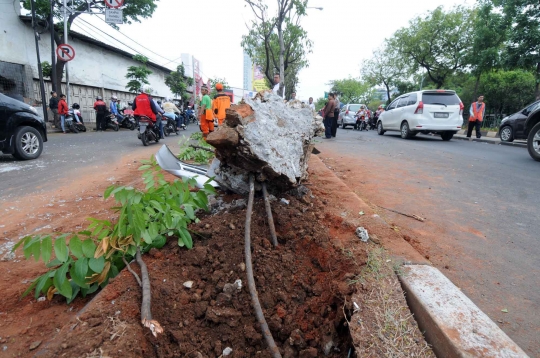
[(478, 115), (220, 103)]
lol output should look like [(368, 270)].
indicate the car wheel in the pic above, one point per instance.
[(405, 131), (343, 126), (507, 134), (380, 129), (28, 143), (446, 136), (533, 142)]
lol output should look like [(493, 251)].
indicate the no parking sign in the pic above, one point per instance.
[(65, 52), (114, 4)]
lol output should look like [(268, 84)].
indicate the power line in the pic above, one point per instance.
[(175, 60)]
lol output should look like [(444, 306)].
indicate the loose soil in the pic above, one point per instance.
[(308, 286)]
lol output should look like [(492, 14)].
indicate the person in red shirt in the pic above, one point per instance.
[(101, 110), (144, 105), (63, 110)]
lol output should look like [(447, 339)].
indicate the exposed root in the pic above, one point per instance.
[(146, 312), (118, 327), (132, 272), (202, 148), (251, 280), (416, 217), (97, 353), (270, 217)]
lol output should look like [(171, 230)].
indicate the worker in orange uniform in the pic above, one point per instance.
[(476, 116), (205, 113), (220, 103)]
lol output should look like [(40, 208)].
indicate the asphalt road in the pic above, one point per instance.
[(65, 155), (483, 227)]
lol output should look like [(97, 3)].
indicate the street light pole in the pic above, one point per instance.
[(40, 70), (66, 41)]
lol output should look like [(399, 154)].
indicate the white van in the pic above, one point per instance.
[(430, 111)]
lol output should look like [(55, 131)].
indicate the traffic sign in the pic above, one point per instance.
[(114, 16), (65, 52), (114, 4)]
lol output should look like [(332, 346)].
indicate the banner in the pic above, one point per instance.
[(259, 82), (197, 79)]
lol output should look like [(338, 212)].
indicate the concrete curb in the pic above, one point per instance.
[(515, 144), (493, 141), (452, 324)]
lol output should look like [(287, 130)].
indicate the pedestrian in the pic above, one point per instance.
[(277, 80), (476, 117), (336, 115), (53, 105), (329, 116), (101, 110), (63, 110), (311, 104), (293, 96), (205, 113), (221, 102)]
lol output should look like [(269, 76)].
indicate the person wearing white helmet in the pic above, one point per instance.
[(113, 105)]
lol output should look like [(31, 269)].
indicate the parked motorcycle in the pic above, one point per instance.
[(111, 122), (75, 110), (129, 119), (148, 130), (69, 123)]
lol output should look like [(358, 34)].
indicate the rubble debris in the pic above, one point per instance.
[(362, 233), (267, 137), (188, 284), (284, 201)]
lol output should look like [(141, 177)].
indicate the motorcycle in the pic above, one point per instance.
[(79, 127), (360, 123), (148, 130), (111, 122), (373, 123), (69, 124), (129, 119), (169, 127)]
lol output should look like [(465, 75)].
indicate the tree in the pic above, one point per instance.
[(320, 103), (133, 11), (352, 90), (178, 82), (522, 17), (437, 42), (278, 43), (138, 75), (384, 68), (507, 91)]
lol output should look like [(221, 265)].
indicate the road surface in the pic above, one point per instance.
[(481, 205)]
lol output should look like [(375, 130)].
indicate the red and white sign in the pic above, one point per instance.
[(114, 4), (65, 52)]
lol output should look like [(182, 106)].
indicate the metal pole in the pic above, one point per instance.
[(53, 52), (40, 72), (66, 41)]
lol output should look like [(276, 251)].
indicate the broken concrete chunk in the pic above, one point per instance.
[(362, 234)]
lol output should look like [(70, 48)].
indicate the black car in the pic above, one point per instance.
[(513, 127), (22, 130)]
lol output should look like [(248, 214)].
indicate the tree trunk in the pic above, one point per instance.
[(387, 92), (476, 89), (281, 60), (59, 74)]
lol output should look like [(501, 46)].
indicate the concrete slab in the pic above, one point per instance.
[(450, 321)]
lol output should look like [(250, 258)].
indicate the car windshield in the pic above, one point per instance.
[(445, 98), (354, 107)]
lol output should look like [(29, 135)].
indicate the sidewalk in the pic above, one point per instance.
[(489, 137)]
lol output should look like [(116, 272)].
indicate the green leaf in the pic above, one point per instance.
[(75, 245), (75, 291), (78, 272), (88, 248), (186, 237), (60, 275), (21, 242), (31, 287), (54, 263), (46, 249), (108, 192), (65, 289), (144, 167), (189, 212), (146, 237), (35, 250), (181, 241), (60, 249), (97, 264), (159, 242), (43, 284), (85, 233)]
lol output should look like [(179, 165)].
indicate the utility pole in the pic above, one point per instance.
[(40, 71), (66, 41), (53, 52)]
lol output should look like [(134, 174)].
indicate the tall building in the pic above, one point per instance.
[(248, 72)]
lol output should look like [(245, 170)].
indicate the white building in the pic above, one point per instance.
[(97, 69)]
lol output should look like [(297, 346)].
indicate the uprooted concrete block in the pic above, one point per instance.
[(267, 137)]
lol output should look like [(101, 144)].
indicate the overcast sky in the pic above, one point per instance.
[(344, 33)]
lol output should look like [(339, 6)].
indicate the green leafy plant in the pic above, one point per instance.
[(85, 261), (201, 152), (138, 75)]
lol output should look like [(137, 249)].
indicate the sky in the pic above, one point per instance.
[(344, 33)]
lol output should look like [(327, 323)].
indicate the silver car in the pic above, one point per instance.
[(346, 115)]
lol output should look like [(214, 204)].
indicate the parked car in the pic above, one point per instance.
[(532, 131), (430, 111), (22, 130), (346, 115), (513, 126)]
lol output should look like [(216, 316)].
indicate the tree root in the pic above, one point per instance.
[(146, 313), (132, 272), (270, 217), (202, 148), (274, 350), (416, 217)]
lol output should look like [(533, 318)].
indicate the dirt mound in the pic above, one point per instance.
[(303, 287)]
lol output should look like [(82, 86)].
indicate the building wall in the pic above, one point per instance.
[(94, 71)]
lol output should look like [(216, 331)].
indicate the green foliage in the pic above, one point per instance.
[(138, 75), (385, 68), (178, 82), (320, 103), (190, 154), (437, 42), (352, 90), (46, 68), (85, 261)]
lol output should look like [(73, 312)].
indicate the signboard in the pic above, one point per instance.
[(114, 4), (65, 52), (259, 81), (198, 78), (114, 16)]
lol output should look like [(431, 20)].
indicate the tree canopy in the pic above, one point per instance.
[(178, 82)]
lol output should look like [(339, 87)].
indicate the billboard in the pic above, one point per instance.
[(259, 81)]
